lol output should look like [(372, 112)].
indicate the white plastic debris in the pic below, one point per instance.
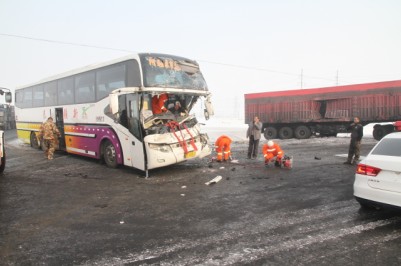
[(221, 167), (184, 187), (234, 161), (214, 180), (182, 195), (121, 222)]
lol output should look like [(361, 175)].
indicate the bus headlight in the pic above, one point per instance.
[(160, 147)]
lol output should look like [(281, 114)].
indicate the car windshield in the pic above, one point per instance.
[(389, 147), (174, 72)]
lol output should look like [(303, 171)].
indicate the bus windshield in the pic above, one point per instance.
[(173, 72)]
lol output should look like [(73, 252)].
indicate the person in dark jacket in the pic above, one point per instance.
[(254, 133), (356, 129)]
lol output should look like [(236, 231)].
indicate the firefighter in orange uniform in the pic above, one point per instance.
[(158, 103), (271, 150), (223, 148)]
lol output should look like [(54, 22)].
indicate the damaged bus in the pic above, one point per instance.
[(104, 111)]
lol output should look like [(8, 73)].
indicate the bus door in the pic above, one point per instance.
[(60, 126), (132, 141)]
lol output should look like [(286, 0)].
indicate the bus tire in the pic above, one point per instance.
[(285, 133), (302, 132), (3, 162), (270, 133), (34, 141), (109, 154)]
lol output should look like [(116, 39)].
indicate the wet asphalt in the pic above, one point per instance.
[(76, 211)]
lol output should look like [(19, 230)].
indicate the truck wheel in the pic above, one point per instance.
[(3, 162), (302, 132), (270, 133), (379, 132), (285, 133), (109, 154), (34, 141)]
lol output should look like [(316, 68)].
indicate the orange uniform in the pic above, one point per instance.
[(271, 151), (223, 148), (158, 103)]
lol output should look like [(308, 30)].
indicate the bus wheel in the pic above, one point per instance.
[(3, 162), (270, 133), (285, 133), (302, 132), (34, 141), (109, 154)]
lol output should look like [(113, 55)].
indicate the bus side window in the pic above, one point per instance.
[(50, 91), (134, 74), (122, 110), (133, 116), (65, 88), (38, 96), (85, 87), (109, 79)]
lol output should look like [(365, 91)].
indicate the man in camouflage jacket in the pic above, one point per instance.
[(355, 143), (49, 131)]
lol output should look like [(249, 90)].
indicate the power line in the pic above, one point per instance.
[(263, 69), (131, 51), (68, 43)]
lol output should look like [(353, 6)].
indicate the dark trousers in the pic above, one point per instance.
[(253, 147), (354, 149)]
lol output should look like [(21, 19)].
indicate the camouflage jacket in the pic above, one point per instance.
[(48, 130)]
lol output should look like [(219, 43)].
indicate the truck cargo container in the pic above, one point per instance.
[(326, 111)]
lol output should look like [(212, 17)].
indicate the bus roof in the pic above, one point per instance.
[(100, 65), (325, 90)]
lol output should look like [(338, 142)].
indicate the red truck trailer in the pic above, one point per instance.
[(326, 111)]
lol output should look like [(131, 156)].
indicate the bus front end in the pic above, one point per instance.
[(176, 143), (164, 121)]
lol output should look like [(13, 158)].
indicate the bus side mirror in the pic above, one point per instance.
[(8, 97), (114, 105)]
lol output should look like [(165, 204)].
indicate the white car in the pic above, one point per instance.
[(378, 176)]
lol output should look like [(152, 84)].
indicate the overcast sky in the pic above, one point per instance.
[(241, 46)]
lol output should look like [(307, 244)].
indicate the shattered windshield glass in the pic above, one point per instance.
[(170, 71)]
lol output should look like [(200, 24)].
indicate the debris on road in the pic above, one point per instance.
[(214, 180)]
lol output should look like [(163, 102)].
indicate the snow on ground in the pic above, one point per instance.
[(236, 129)]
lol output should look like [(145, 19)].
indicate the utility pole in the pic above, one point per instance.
[(337, 78), (302, 77)]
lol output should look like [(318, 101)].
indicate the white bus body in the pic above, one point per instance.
[(104, 111)]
